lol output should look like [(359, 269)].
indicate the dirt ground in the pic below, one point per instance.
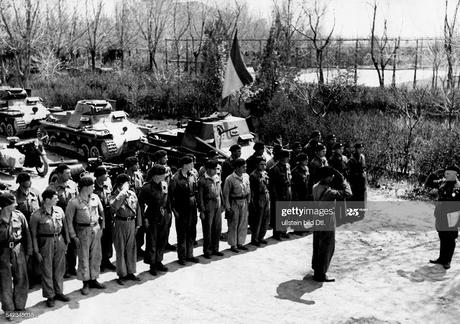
[(380, 266)]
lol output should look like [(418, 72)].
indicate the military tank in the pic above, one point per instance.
[(94, 129), (19, 113)]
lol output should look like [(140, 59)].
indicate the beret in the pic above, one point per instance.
[(302, 157), (453, 168), (156, 169), (185, 160), (325, 172), (331, 136), (100, 171), (122, 178), (211, 154), (239, 163), (359, 145), (130, 161), (320, 147), (337, 146), (6, 199), (22, 177), (315, 133), (62, 167), (259, 159), (259, 146), (234, 147), (159, 154), (85, 182), (211, 164)]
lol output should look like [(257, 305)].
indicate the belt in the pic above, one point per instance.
[(86, 224), (49, 235), (126, 218), (10, 244), (239, 197)]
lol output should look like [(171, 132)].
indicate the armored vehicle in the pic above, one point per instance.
[(19, 113), (93, 129), (217, 132)]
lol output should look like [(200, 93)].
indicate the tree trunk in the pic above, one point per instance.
[(319, 59), (92, 52)]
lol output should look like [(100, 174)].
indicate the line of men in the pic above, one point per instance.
[(70, 222)]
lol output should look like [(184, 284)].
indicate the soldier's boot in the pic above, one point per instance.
[(85, 289), (96, 284)]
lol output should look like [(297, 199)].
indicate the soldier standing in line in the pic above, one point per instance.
[(251, 164), (227, 165), (260, 196), (331, 140), (237, 195), (210, 205), (124, 204), (103, 189), (28, 200), (156, 217), (358, 180), (50, 238), (339, 161), (15, 248), (316, 163), (280, 189), (300, 183), (182, 193), (85, 219), (212, 155), (66, 190), (324, 239), (311, 148)]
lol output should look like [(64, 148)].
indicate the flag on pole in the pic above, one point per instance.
[(236, 74)]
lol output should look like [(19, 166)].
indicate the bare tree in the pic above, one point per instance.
[(449, 104), (449, 42), (124, 31), (434, 55), (180, 25), (311, 96), (96, 28), (315, 19), (381, 50), (198, 24), (22, 26), (290, 19)]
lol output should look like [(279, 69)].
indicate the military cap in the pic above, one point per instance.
[(325, 172), (6, 199), (62, 167), (185, 160), (320, 147), (239, 163), (100, 171), (212, 154), (302, 157), (130, 161), (234, 147), (85, 181), (330, 137), (359, 145), (453, 167), (22, 177), (210, 164), (121, 179), (157, 169), (48, 194), (315, 133), (284, 153), (337, 146), (259, 146), (297, 145), (158, 155)]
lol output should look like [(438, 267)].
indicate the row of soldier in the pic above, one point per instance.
[(67, 220)]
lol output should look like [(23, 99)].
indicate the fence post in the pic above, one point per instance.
[(416, 63), (356, 61)]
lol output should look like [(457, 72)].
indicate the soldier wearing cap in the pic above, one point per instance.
[(260, 196), (259, 149), (15, 245), (339, 161), (237, 195), (280, 188), (447, 206), (211, 156), (124, 204), (358, 180), (85, 219), (276, 156), (50, 238), (331, 140), (227, 165), (103, 189), (324, 238), (182, 193), (300, 179), (317, 162), (311, 148), (156, 217), (210, 205), (66, 190)]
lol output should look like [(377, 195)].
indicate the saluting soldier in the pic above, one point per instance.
[(260, 196), (156, 217), (85, 219), (50, 238), (182, 193), (15, 246), (29, 200), (276, 156), (209, 204), (324, 239), (124, 205), (66, 190), (311, 148), (228, 165), (103, 189), (448, 202), (280, 189), (358, 180), (251, 164)]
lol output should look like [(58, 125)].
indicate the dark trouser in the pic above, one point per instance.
[(186, 232), (125, 246), (359, 189), (261, 219), (156, 238), (212, 227), (447, 245), (323, 250), (273, 219), (106, 240), (52, 250), (14, 283), (34, 272), (141, 232), (71, 257)]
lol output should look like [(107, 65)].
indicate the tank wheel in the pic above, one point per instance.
[(43, 170), (9, 130), (2, 128), (94, 152), (85, 149), (52, 140)]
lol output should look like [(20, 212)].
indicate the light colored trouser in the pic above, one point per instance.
[(13, 271), (52, 250), (238, 224), (124, 240), (89, 253), (212, 226)]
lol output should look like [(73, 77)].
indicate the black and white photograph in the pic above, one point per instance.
[(230, 161)]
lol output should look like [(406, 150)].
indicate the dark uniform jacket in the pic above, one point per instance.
[(300, 180), (251, 163), (448, 202), (182, 191), (315, 164), (28, 203), (280, 182), (15, 230), (339, 162), (259, 184), (154, 196)]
